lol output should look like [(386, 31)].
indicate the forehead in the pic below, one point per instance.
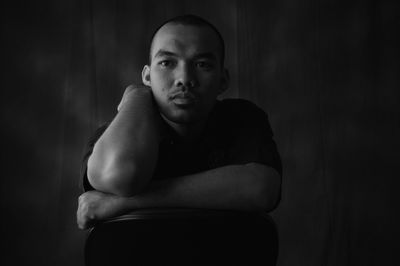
[(186, 39)]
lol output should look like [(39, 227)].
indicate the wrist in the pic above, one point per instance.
[(137, 97), (140, 90), (134, 93), (132, 203)]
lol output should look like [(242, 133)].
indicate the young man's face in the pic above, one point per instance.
[(185, 74)]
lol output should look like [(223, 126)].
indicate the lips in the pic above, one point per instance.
[(183, 99)]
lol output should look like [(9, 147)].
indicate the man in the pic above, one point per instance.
[(173, 144)]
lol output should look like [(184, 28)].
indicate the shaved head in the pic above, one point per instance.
[(195, 21)]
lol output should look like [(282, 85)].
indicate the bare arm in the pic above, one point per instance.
[(236, 187), (251, 187), (124, 157)]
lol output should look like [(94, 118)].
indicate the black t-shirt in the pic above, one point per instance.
[(237, 132)]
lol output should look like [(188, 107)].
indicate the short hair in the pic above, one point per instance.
[(192, 20)]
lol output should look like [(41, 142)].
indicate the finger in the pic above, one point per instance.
[(78, 213), (130, 88), (83, 222), (80, 219), (120, 105), (136, 86), (126, 92)]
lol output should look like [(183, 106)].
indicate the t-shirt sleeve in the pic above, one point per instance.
[(88, 151), (253, 140)]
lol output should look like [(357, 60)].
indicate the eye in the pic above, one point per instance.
[(166, 63), (204, 65)]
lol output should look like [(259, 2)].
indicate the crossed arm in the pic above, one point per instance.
[(121, 186)]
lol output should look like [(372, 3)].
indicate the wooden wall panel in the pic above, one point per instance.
[(278, 65), (43, 121)]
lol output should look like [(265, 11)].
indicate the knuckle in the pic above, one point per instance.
[(82, 197), (130, 88)]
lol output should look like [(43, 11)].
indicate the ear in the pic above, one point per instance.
[(225, 80), (146, 75)]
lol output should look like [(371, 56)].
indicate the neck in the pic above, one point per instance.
[(188, 131)]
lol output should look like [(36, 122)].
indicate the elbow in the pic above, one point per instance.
[(266, 189), (118, 178), (267, 200)]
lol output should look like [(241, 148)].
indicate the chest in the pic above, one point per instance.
[(175, 159)]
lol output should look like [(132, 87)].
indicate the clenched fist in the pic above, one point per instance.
[(95, 206), (133, 88)]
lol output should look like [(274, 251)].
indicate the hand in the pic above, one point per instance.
[(129, 90), (95, 206)]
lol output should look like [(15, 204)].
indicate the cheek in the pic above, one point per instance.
[(161, 81), (159, 76), (209, 78), (211, 85)]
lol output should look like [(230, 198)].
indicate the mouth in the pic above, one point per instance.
[(183, 99)]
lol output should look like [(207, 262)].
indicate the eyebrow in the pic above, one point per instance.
[(207, 55), (162, 52)]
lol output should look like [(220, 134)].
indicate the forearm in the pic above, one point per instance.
[(250, 187), (235, 187), (124, 157)]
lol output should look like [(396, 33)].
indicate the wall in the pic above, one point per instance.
[(325, 71)]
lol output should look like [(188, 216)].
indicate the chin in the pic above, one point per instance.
[(183, 116), (189, 114), (183, 119)]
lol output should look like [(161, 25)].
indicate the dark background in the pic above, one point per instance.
[(327, 73)]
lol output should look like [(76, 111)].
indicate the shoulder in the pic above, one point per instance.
[(239, 109), (236, 102), (241, 115)]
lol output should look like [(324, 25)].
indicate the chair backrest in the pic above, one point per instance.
[(183, 237)]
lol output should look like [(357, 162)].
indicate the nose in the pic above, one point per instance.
[(185, 76)]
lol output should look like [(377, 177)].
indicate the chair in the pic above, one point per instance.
[(183, 237)]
